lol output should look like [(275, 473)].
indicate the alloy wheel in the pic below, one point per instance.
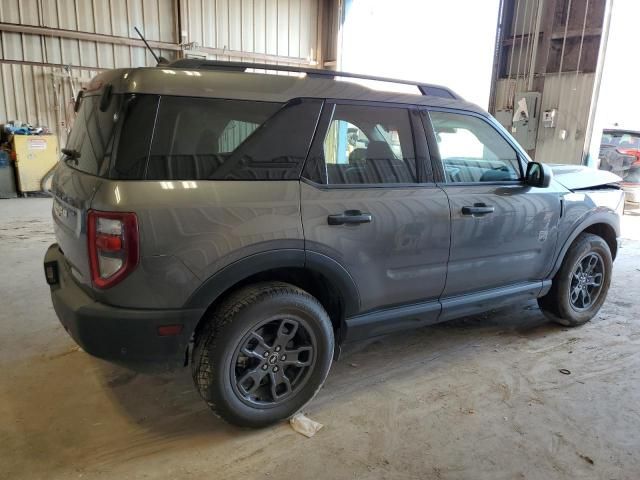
[(273, 362), (586, 281)]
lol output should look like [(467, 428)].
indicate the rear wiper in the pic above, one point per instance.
[(71, 154)]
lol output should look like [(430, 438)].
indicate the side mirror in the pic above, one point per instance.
[(538, 175)]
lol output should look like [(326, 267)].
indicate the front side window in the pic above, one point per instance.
[(471, 150), (368, 145)]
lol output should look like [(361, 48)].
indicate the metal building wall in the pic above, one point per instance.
[(33, 89), (273, 29), (554, 47), (50, 48), (570, 95)]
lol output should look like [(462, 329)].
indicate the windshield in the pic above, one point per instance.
[(621, 139)]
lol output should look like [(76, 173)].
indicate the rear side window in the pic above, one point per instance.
[(139, 113), (213, 139), (472, 150), (368, 145)]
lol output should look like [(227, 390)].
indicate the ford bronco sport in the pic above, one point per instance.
[(250, 223)]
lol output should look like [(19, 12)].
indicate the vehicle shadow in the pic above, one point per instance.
[(168, 403)]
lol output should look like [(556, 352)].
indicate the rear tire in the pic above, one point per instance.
[(580, 287), (263, 354)]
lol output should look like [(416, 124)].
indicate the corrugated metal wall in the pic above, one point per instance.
[(570, 95), (285, 28), (552, 47), (35, 88), (39, 94)]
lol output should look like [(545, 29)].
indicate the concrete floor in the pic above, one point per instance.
[(477, 398)]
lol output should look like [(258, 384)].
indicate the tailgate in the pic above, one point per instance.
[(72, 194)]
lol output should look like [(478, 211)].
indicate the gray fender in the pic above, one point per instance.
[(607, 217)]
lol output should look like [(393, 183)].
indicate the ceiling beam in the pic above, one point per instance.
[(132, 42), (91, 37)]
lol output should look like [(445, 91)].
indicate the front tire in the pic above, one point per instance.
[(580, 287), (263, 354)]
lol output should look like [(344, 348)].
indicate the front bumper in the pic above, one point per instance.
[(116, 333), (631, 192)]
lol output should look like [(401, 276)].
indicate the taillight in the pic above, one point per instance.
[(631, 151), (113, 246)]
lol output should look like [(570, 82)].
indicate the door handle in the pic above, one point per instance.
[(477, 210), (349, 217)]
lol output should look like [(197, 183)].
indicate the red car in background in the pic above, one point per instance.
[(620, 154)]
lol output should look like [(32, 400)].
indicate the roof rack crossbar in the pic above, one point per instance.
[(194, 63)]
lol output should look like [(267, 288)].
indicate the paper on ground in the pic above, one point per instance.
[(304, 425)]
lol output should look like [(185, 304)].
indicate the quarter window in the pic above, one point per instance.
[(212, 139), (471, 150), (368, 145)]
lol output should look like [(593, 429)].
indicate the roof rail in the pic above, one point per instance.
[(194, 63)]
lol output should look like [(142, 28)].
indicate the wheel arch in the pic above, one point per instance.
[(603, 226), (319, 275)]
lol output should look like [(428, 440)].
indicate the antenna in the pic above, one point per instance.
[(159, 60)]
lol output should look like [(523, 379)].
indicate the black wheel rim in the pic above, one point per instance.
[(586, 281), (273, 361)]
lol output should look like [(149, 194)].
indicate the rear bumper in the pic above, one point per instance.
[(115, 333)]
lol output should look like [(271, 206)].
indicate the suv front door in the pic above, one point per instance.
[(369, 203), (503, 232)]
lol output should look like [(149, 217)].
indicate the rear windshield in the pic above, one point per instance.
[(621, 139), (90, 144)]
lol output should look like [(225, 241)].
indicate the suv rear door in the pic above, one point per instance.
[(369, 203), (80, 172), (503, 232)]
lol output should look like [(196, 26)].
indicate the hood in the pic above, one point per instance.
[(576, 177)]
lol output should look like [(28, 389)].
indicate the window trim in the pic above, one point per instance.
[(436, 161), (424, 171)]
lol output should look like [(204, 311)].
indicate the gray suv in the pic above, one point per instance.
[(249, 224)]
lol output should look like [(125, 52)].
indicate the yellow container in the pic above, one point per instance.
[(34, 156)]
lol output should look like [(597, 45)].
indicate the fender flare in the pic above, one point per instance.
[(609, 218), (228, 276)]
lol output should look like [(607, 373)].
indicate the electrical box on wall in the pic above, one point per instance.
[(549, 118), (524, 127)]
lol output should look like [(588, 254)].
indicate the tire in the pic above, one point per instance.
[(238, 380), (573, 276)]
